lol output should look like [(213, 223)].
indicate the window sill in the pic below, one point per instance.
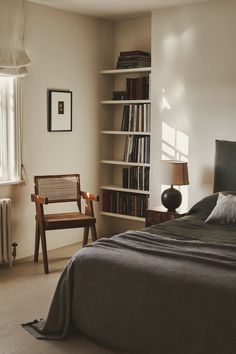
[(10, 183)]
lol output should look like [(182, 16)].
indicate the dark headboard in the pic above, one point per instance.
[(225, 166)]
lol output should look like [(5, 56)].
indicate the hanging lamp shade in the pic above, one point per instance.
[(13, 58)]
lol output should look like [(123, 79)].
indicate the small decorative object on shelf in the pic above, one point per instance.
[(120, 95), (159, 214), (174, 173)]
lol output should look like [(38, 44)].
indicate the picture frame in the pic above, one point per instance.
[(59, 110)]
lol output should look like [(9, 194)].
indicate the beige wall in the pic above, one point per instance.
[(193, 97), (67, 51), (133, 34), (193, 88)]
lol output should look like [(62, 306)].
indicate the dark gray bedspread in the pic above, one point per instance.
[(159, 291)]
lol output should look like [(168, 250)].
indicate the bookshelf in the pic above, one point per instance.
[(125, 152)]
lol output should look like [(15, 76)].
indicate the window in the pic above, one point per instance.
[(10, 127)]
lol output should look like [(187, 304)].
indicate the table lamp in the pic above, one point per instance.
[(174, 173)]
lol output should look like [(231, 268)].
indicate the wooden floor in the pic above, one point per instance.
[(25, 295)]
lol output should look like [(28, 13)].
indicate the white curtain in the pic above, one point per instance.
[(13, 65), (10, 130), (13, 58)]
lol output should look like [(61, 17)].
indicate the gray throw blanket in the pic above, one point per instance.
[(147, 293)]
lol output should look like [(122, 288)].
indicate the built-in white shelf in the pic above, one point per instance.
[(123, 132), (127, 71), (127, 190), (124, 163), (129, 217), (115, 165), (125, 101)]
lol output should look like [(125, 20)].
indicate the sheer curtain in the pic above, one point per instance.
[(13, 58), (13, 65), (10, 130)]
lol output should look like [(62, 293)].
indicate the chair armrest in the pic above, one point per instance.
[(38, 199), (89, 196)]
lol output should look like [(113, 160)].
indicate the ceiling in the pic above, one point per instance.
[(114, 9)]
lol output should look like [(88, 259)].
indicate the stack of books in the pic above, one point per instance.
[(133, 59)]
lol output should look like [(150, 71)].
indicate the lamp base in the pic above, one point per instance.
[(171, 198)]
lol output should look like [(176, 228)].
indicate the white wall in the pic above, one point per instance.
[(67, 52), (193, 88)]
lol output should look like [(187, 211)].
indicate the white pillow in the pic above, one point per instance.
[(224, 211)]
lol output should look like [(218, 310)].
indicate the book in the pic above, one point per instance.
[(125, 177), (106, 199), (125, 118), (119, 95)]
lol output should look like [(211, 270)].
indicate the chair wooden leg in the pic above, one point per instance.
[(44, 250), (86, 232), (37, 241), (94, 233)]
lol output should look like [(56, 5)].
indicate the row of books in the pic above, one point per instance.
[(136, 177), (136, 117), (137, 88), (125, 203), (133, 59), (137, 149)]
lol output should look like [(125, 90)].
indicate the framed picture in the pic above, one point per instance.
[(59, 111)]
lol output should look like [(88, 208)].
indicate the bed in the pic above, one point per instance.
[(167, 289)]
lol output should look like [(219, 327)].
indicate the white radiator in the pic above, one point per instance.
[(5, 231)]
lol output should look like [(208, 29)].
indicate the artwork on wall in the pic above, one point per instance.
[(59, 111)]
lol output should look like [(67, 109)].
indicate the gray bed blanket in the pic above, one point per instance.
[(148, 293)]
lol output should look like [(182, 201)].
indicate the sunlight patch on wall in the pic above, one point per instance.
[(164, 103)]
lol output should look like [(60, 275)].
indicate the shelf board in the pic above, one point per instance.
[(125, 101), (126, 71), (120, 189), (123, 132), (129, 217), (124, 163)]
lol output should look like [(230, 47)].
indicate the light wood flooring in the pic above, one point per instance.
[(25, 295)]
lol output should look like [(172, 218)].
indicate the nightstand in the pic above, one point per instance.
[(160, 214)]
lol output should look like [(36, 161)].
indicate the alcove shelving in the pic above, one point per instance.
[(125, 140)]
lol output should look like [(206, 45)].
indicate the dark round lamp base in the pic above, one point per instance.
[(171, 198)]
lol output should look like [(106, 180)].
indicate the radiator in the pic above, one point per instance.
[(5, 231)]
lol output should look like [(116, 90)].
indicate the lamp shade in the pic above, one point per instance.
[(173, 172)]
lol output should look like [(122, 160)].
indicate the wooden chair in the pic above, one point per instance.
[(60, 189)]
